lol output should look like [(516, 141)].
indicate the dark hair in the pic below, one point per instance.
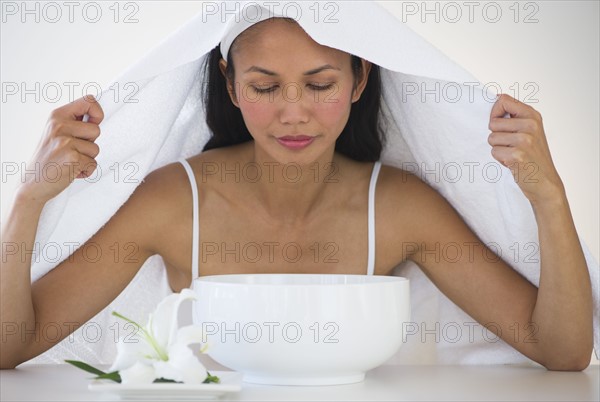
[(361, 139)]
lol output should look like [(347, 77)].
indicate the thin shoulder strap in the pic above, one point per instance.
[(195, 230), (372, 184)]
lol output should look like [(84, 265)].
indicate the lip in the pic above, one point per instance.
[(295, 141)]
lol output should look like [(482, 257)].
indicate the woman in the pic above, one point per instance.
[(313, 108)]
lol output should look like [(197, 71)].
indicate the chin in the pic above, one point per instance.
[(303, 157)]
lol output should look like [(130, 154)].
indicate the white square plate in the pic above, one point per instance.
[(231, 381)]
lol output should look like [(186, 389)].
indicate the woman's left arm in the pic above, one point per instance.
[(564, 295), (556, 318)]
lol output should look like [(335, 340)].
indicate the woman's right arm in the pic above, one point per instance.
[(84, 283)]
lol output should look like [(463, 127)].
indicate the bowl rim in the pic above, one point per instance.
[(214, 279)]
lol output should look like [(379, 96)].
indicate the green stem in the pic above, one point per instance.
[(147, 336)]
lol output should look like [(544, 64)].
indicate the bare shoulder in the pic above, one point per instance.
[(397, 186), (409, 209), (165, 198), (160, 183)]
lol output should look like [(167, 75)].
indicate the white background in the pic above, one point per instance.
[(558, 54)]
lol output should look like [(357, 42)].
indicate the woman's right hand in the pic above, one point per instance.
[(66, 150)]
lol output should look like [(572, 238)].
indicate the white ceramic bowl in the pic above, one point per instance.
[(301, 329)]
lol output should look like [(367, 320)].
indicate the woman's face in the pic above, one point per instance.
[(286, 84)]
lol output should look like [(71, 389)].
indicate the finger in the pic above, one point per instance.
[(84, 167), (86, 148), (499, 138), (79, 129), (507, 155), (513, 124), (95, 112), (515, 108), (80, 107)]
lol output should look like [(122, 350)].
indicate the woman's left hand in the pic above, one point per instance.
[(519, 143)]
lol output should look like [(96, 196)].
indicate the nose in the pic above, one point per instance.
[(294, 108)]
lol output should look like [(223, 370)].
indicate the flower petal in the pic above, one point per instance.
[(163, 322), (182, 365), (131, 350), (139, 373), (188, 335)]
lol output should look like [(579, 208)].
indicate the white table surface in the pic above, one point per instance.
[(63, 382)]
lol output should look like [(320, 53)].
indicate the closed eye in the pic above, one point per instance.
[(312, 86), (321, 87)]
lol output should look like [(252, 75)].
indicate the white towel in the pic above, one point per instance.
[(435, 135)]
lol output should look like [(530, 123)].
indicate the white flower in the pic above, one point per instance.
[(139, 373), (161, 349)]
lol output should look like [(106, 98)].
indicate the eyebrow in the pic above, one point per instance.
[(309, 72)]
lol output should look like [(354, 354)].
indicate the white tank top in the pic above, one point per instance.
[(195, 227)]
